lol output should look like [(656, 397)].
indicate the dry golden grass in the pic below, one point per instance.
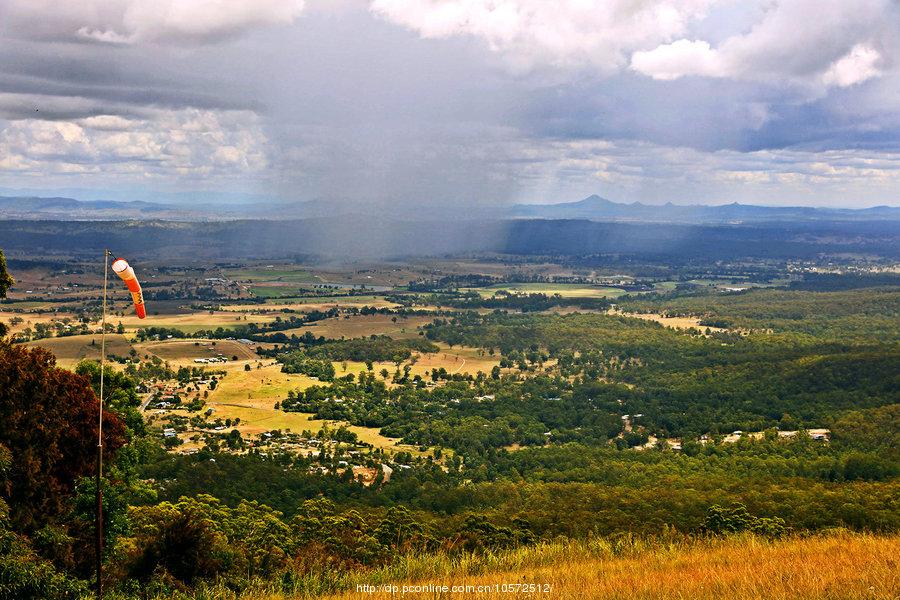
[(72, 349), (840, 566), (183, 352), (459, 359), (190, 322), (566, 290), (29, 319), (310, 304), (673, 322), (251, 396), (364, 326)]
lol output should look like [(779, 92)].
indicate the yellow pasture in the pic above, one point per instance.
[(70, 350), (364, 325), (183, 352), (251, 396), (30, 319), (673, 322), (189, 322), (311, 304)]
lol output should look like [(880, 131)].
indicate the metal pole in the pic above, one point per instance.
[(99, 524)]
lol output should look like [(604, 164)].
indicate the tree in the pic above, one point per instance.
[(119, 393), (48, 420), (6, 282), (180, 539)]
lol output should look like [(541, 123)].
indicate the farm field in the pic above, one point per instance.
[(28, 320), (310, 303), (573, 290), (459, 359), (183, 352), (188, 322), (280, 273), (363, 326), (70, 350), (251, 396), (666, 321)]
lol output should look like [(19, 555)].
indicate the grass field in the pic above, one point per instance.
[(276, 273), (251, 396), (190, 322), (566, 290), (827, 567), (673, 322), (459, 359), (29, 319), (364, 326), (311, 303), (183, 352), (70, 350)]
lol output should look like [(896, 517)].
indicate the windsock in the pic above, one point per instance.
[(121, 268)]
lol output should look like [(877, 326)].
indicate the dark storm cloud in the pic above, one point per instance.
[(104, 79), (708, 114)]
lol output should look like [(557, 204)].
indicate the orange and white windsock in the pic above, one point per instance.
[(121, 268)]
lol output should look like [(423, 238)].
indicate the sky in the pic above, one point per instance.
[(411, 104)]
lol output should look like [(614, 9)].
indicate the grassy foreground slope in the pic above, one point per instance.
[(839, 565)]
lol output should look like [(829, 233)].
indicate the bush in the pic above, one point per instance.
[(737, 519)]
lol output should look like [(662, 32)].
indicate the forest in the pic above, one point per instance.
[(592, 427)]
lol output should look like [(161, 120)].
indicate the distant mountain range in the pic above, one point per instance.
[(593, 208), (29, 207)]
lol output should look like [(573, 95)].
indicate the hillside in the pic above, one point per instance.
[(821, 567)]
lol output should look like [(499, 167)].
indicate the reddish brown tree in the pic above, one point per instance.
[(48, 420)]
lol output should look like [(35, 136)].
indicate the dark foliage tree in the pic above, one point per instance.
[(48, 420)]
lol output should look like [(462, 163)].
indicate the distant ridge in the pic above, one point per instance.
[(592, 208), (596, 208), (32, 207)]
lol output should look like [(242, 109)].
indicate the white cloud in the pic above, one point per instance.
[(189, 143), (674, 60), (564, 32), (786, 40), (856, 66), (804, 41), (569, 170), (136, 21)]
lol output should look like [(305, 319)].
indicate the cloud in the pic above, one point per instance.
[(182, 144), (803, 41), (830, 42), (856, 66), (140, 21), (401, 102), (565, 32), (569, 170), (674, 60)]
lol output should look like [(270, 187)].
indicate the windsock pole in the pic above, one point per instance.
[(99, 515)]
